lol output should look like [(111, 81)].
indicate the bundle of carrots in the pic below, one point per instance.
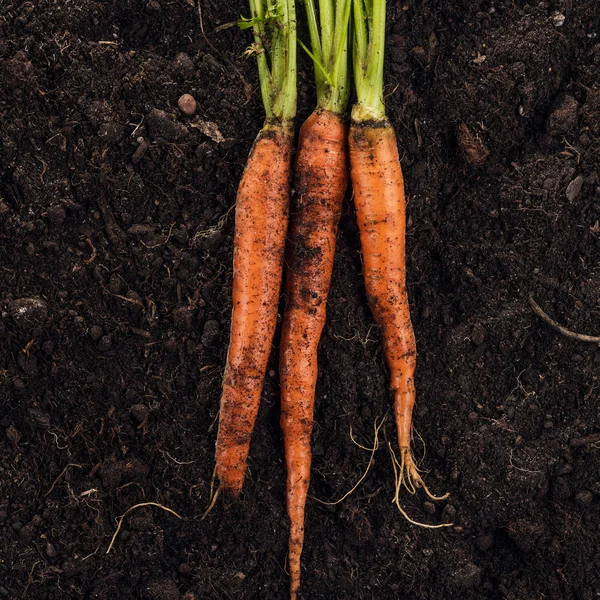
[(328, 152)]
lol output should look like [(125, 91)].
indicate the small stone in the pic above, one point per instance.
[(187, 104), (56, 214), (105, 343), (211, 334), (557, 19), (563, 116), (548, 425), (28, 313), (162, 125), (574, 188), (50, 550), (584, 498), (96, 332), (17, 525), (13, 434)]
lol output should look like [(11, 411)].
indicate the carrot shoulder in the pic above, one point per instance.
[(261, 219), (319, 185)]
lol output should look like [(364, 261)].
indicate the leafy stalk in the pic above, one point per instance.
[(274, 28), (329, 41), (368, 50)]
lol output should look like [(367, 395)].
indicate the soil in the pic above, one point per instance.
[(115, 279)]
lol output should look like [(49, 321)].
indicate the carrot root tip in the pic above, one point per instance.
[(407, 475)]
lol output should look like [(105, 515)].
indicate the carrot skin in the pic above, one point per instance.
[(380, 208), (261, 219), (320, 181)]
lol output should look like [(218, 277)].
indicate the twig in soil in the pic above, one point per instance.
[(92, 258), (61, 474), (114, 537), (581, 337), (362, 477)]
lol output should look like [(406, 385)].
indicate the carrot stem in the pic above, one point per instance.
[(329, 41), (368, 47), (274, 28)]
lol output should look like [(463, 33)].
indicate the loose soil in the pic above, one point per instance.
[(116, 228)]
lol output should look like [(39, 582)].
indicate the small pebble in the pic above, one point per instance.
[(574, 188), (50, 550), (187, 105), (27, 313), (557, 18), (548, 425)]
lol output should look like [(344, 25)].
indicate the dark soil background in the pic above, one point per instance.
[(115, 279)]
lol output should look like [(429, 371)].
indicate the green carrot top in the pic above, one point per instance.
[(368, 51), (329, 42), (274, 25)]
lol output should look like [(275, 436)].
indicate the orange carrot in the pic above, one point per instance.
[(261, 220), (320, 181), (380, 208), (261, 217), (321, 177)]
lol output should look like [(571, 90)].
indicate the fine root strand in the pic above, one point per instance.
[(408, 476), (581, 337), (214, 495), (122, 517), (376, 428)]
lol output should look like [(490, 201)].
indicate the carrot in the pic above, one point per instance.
[(320, 181), (380, 208), (261, 220)]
